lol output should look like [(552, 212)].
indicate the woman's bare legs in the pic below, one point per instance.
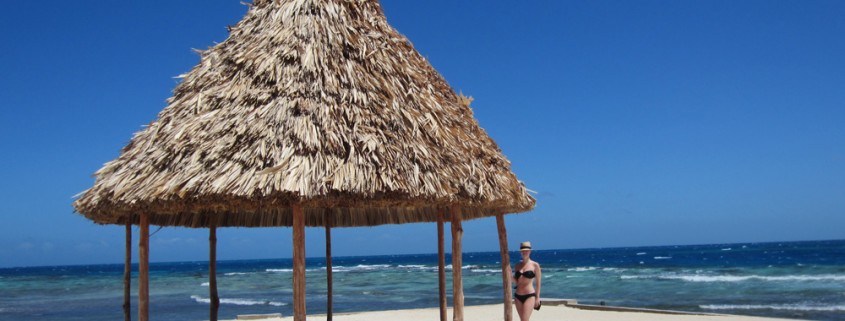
[(524, 309)]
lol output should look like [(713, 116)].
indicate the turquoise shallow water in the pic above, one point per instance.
[(788, 279)]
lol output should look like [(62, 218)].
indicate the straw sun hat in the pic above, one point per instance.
[(525, 246)]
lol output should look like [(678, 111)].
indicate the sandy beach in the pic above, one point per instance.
[(546, 313)]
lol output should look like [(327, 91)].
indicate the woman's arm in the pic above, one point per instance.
[(539, 284), (510, 272)]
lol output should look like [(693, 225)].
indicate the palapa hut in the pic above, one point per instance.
[(311, 113)]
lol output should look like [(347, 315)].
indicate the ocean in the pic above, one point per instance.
[(783, 279)]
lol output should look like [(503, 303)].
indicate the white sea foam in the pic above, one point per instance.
[(341, 268), (204, 284), (368, 267), (611, 269), (371, 266), (284, 271), (793, 307), (582, 269), (360, 267), (641, 253), (662, 257), (737, 278), (485, 271), (419, 267), (200, 299), (726, 249), (279, 270), (236, 273)]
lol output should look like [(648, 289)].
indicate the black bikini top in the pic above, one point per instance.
[(528, 274)]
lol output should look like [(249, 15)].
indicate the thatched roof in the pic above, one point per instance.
[(317, 102)]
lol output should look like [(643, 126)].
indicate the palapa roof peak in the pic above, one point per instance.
[(317, 102)]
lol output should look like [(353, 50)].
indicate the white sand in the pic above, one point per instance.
[(546, 313)]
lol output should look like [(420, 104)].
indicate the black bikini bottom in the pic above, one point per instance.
[(524, 297)]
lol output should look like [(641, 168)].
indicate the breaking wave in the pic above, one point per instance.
[(200, 299), (737, 278)]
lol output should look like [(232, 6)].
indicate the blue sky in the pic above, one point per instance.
[(637, 122)]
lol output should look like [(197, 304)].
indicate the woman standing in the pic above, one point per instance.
[(525, 273)]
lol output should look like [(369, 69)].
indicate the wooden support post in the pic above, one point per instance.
[(144, 270), (212, 269), (127, 272), (298, 263), (457, 265), (506, 266), (328, 267), (441, 266)]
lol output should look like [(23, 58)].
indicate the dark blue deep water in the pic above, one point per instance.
[(803, 280)]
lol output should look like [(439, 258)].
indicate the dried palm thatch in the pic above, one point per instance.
[(316, 102)]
